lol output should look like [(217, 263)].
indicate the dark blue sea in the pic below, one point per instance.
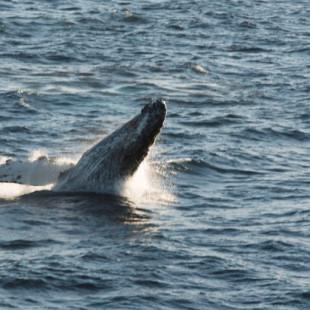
[(218, 215)]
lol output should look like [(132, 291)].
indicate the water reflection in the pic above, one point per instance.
[(87, 212)]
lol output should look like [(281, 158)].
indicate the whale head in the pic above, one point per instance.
[(118, 155), (142, 132)]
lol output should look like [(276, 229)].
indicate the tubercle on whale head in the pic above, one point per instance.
[(150, 115), (155, 114), (159, 105), (152, 118)]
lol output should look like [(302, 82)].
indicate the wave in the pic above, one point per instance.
[(229, 119), (21, 244), (247, 49), (196, 166), (271, 133)]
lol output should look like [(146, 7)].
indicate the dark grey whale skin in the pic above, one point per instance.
[(117, 156)]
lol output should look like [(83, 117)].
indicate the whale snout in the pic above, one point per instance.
[(158, 107), (151, 119)]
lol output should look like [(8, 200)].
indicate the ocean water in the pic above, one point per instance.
[(218, 216)]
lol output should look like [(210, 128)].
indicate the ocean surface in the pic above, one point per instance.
[(218, 216)]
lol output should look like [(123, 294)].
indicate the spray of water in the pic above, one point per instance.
[(39, 172), (10, 191), (148, 185)]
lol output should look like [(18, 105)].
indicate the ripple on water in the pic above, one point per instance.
[(233, 154)]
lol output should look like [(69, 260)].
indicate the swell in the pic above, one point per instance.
[(23, 244), (201, 167), (269, 134)]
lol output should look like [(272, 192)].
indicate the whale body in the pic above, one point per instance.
[(117, 156)]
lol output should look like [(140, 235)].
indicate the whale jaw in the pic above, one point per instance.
[(117, 156)]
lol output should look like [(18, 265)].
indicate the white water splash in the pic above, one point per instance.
[(148, 185), (38, 172), (13, 190)]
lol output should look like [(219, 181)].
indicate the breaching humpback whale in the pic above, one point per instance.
[(117, 156)]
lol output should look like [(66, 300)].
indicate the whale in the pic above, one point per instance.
[(100, 169), (116, 157)]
